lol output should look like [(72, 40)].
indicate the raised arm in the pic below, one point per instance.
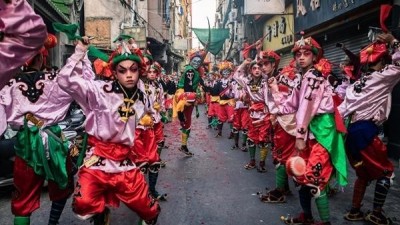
[(240, 73), (22, 34), (75, 77)]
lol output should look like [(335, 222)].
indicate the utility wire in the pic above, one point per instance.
[(128, 6)]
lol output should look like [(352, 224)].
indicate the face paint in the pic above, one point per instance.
[(195, 62)]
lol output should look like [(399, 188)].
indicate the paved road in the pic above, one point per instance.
[(212, 188)]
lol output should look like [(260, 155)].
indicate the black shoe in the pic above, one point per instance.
[(208, 127), (234, 147), (185, 150), (218, 135)]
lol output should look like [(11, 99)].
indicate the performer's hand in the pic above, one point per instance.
[(258, 45), (83, 44), (273, 84), (300, 144), (246, 62)]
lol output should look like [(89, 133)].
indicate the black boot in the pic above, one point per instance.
[(57, 208), (185, 150), (220, 125), (236, 139), (153, 177)]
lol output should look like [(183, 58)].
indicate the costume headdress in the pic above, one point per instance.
[(126, 52), (226, 65), (310, 44), (270, 56), (199, 53), (156, 66)]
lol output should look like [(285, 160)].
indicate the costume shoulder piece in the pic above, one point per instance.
[(31, 84)]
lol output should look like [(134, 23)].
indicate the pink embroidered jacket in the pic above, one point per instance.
[(313, 97), (369, 98)]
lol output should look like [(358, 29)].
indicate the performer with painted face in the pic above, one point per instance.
[(185, 97), (259, 127), (241, 116), (213, 91), (226, 99), (319, 128), (284, 137), (367, 105), (22, 34), (34, 103), (150, 139), (109, 174)]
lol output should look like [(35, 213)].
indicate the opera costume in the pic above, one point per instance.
[(367, 105), (110, 174)]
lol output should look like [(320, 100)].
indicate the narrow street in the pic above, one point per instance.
[(213, 188)]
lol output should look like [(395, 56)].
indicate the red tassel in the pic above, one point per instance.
[(385, 11)]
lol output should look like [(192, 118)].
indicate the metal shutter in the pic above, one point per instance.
[(335, 54)]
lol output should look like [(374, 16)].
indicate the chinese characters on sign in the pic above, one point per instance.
[(278, 27), (336, 6), (316, 4)]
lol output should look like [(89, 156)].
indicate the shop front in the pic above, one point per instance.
[(279, 35)]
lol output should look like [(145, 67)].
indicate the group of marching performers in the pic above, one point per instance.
[(310, 120)]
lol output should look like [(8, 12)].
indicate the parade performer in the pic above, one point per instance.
[(109, 174), (22, 34), (241, 116), (284, 137), (212, 89), (152, 138), (34, 103), (226, 101), (367, 105), (170, 89), (318, 140), (185, 97), (259, 127)]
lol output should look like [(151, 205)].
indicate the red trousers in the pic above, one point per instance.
[(158, 132), (318, 166), (213, 109), (241, 119), (145, 147), (375, 162), (225, 113), (95, 189), (284, 145), (28, 188)]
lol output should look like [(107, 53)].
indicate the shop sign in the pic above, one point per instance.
[(310, 13), (278, 31)]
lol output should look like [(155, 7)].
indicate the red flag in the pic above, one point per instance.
[(385, 11)]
